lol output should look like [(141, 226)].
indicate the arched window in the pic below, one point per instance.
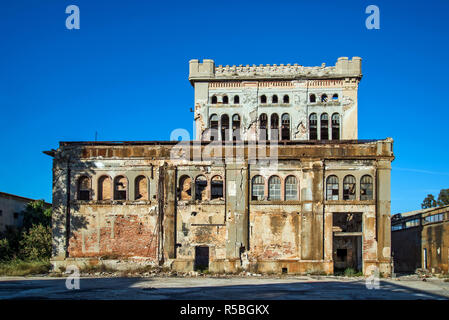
[(335, 126), (213, 127), (216, 187), (225, 100), (104, 188), (312, 98), (120, 188), (274, 99), (285, 126), (141, 188), (366, 188), (263, 124), (235, 127), (225, 127), (263, 99), (313, 127), (236, 100), (286, 99), (349, 188), (258, 188), (185, 187), (200, 188), (84, 188), (324, 126), (214, 99), (291, 188), (274, 126), (332, 188), (324, 97), (274, 188), (335, 97)]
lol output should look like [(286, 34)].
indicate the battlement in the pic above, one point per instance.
[(207, 70)]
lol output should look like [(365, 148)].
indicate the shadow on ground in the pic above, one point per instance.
[(213, 288)]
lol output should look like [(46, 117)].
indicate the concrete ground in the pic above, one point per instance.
[(232, 288)]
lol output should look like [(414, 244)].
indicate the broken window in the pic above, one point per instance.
[(274, 126), (335, 126), (366, 188), (225, 100), (332, 188), (216, 186), (235, 127), (291, 188), (104, 188), (349, 188), (200, 188), (274, 99), (141, 188), (236, 100), (225, 127), (324, 126), (185, 184), (324, 98), (213, 127), (313, 127), (263, 124), (286, 99), (347, 222), (263, 99), (335, 97), (274, 188), (312, 98), (412, 223), (120, 188), (84, 188), (434, 218), (285, 126), (214, 99), (258, 188)]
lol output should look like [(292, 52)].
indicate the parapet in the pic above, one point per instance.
[(203, 69), (208, 71)]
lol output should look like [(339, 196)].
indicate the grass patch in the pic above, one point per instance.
[(24, 268), (348, 272)]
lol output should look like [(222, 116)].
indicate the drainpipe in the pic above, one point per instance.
[(324, 208), (67, 220)]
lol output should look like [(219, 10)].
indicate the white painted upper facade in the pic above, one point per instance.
[(267, 102)]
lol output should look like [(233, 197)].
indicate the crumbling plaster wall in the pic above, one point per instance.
[(266, 236), (298, 82)]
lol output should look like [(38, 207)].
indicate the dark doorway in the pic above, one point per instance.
[(347, 241), (201, 258)]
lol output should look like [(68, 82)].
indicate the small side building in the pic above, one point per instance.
[(420, 240), (10, 207)]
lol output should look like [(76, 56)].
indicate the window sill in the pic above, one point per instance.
[(202, 202), (350, 202), (275, 202), (112, 202)]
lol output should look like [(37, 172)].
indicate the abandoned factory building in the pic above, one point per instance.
[(275, 181), (420, 240)]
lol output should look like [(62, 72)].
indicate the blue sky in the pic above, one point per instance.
[(124, 74)]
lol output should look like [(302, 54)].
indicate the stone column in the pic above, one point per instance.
[(237, 222), (312, 211), (167, 208), (383, 216)]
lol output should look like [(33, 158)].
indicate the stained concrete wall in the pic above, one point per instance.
[(293, 236)]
